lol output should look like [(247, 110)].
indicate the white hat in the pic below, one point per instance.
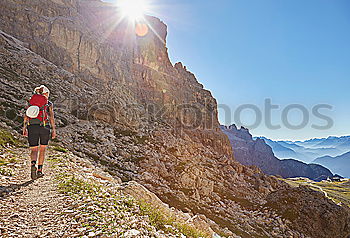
[(33, 111), (45, 89)]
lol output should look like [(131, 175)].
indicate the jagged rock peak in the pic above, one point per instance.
[(242, 133), (180, 66), (233, 127)]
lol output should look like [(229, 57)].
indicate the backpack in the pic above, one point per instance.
[(40, 104)]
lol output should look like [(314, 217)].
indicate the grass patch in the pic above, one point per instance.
[(118, 204), (59, 149), (55, 140), (54, 159), (99, 204), (163, 222), (12, 160), (72, 185), (6, 171), (7, 138), (4, 162)]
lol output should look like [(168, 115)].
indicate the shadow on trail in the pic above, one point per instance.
[(7, 190)]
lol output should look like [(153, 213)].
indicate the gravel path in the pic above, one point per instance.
[(39, 209), (32, 208)]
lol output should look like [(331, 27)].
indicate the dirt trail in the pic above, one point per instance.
[(94, 207), (33, 208)]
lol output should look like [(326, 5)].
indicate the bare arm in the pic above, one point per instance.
[(52, 122), (25, 123)]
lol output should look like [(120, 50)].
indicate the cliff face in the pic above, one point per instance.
[(120, 102), (256, 152), (89, 39)]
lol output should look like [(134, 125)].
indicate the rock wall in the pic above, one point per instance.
[(88, 38)]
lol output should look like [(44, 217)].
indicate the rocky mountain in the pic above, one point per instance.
[(309, 150), (283, 150), (339, 164), (121, 103), (257, 152)]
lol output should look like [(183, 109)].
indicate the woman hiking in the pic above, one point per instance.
[(38, 122)]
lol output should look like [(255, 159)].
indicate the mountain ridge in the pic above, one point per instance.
[(308, 140), (338, 164), (310, 150), (257, 152)]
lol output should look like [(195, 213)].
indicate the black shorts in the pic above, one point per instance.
[(37, 133)]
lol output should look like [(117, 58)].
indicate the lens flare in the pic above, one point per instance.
[(133, 9), (141, 29)]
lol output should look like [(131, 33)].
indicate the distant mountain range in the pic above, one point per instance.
[(331, 152), (339, 164), (309, 150), (249, 151)]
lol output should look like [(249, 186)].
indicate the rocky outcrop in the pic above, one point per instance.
[(121, 103), (256, 152), (140, 193), (294, 204)]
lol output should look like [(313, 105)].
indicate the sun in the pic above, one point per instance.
[(133, 9)]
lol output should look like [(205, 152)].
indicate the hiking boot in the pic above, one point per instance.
[(33, 173), (39, 174)]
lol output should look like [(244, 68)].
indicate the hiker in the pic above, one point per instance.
[(38, 121)]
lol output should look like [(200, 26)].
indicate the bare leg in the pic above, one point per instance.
[(42, 150), (33, 158), (34, 153)]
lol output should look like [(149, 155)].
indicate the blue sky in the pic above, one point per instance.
[(247, 51)]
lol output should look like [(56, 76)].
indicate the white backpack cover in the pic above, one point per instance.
[(32, 111)]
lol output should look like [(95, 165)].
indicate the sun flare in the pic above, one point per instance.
[(133, 9)]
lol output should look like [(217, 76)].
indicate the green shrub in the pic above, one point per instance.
[(55, 159), (6, 172), (161, 221), (60, 149), (73, 185), (12, 160), (6, 161), (7, 138), (3, 162)]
